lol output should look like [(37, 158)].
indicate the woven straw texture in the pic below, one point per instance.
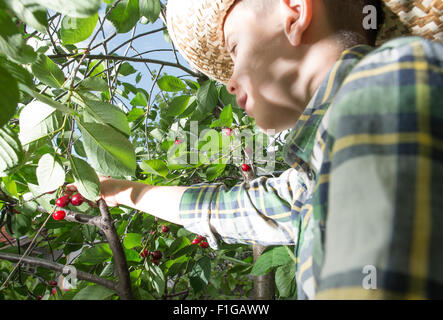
[(195, 27), (405, 17)]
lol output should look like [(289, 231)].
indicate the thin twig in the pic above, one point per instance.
[(57, 267)]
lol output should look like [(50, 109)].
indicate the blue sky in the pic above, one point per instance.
[(150, 42)]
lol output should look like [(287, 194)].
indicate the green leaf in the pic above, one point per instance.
[(98, 66), (37, 120), (132, 255), (11, 152), (48, 101), (86, 179), (89, 232), (190, 108), (106, 113), (132, 240), (12, 43), (75, 30), (178, 244), (21, 224), (157, 134), (17, 72), (157, 167), (48, 72), (134, 114), (225, 119), (44, 200), (156, 278), (30, 12), (285, 280), (126, 69), (108, 151), (95, 255), (274, 257), (76, 9), (94, 292), (200, 274), (150, 9), (171, 84), (178, 106), (94, 84), (207, 97), (139, 100), (215, 171), (125, 15), (50, 173), (10, 96)]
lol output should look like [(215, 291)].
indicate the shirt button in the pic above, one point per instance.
[(310, 174)]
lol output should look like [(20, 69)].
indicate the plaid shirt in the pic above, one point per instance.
[(361, 203)]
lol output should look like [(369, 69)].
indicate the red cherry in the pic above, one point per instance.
[(77, 199), (165, 229), (16, 211), (246, 167), (178, 141), (62, 201), (59, 215), (156, 255), (204, 244), (201, 238), (53, 291), (52, 283), (228, 132), (195, 241), (145, 253)]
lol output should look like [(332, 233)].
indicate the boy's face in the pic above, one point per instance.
[(268, 77)]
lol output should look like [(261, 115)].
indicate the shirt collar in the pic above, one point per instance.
[(300, 141)]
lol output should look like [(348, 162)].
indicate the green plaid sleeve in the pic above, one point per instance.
[(264, 211), (384, 222)]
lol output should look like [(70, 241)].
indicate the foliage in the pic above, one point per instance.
[(69, 114)]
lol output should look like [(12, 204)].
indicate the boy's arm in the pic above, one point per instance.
[(160, 201)]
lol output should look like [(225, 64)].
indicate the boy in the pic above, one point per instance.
[(366, 145)]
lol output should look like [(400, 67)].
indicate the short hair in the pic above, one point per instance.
[(345, 16)]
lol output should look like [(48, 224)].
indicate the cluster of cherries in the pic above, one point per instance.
[(76, 200), (201, 241), (156, 256)]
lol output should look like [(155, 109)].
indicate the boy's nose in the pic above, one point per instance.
[(232, 86)]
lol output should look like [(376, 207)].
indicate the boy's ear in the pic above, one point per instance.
[(297, 18)]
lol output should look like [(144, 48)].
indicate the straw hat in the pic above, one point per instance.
[(195, 27)]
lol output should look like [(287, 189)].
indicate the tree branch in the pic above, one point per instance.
[(124, 286), (131, 59), (59, 268), (82, 218)]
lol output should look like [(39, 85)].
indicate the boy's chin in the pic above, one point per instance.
[(271, 128)]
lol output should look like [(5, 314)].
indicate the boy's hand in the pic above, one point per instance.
[(109, 189)]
